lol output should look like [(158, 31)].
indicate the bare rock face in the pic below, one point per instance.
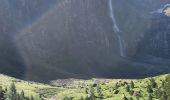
[(14, 15), (71, 40), (77, 39)]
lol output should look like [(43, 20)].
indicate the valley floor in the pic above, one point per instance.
[(94, 89)]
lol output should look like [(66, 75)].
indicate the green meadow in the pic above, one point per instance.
[(151, 88)]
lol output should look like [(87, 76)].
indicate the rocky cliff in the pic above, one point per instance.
[(45, 40), (83, 39)]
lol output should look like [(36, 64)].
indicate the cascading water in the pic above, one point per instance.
[(116, 29), (161, 10)]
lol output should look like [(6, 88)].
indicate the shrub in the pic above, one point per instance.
[(116, 91), (131, 92), (124, 98)]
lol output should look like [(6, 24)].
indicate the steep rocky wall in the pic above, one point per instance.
[(14, 15), (76, 39), (73, 37)]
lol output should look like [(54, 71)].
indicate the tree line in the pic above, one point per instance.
[(12, 94), (161, 92)]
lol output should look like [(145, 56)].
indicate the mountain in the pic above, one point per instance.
[(84, 39), (45, 40)]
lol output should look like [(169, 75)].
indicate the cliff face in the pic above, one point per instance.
[(78, 38), (83, 38), (14, 15), (73, 39), (137, 22)]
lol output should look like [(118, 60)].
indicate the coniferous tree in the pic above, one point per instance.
[(1, 93), (91, 94), (164, 96), (116, 86), (132, 85), (86, 98), (158, 93), (153, 83), (99, 92), (127, 88), (12, 93), (22, 95), (86, 90), (81, 98), (18, 97), (31, 98), (5, 94), (130, 98), (150, 97), (167, 86), (163, 83), (137, 97), (149, 89)]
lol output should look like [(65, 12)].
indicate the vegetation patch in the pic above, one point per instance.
[(152, 88)]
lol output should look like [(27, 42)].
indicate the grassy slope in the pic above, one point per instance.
[(77, 88), (30, 88), (77, 91)]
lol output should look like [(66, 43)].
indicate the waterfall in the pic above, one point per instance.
[(116, 29), (161, 10)]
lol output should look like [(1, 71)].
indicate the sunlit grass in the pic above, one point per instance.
[(30, 88), (77, 90), (107, 88), (167, 11)]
